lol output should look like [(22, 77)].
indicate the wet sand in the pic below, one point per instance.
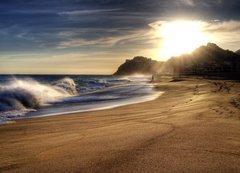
[(193, 127)]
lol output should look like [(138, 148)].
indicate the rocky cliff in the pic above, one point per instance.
[(209, 60), (138, 65), (206, 60), (238, 52)]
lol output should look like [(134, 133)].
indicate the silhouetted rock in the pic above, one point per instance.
[(138, 65), (238, 52), (206, 60), (209, 60)]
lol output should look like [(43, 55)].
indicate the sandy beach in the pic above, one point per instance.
[(193, 127)]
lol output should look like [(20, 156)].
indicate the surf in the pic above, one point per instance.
[(39, 96), (29, 94)]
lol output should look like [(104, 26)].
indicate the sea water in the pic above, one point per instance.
[(29, 96)]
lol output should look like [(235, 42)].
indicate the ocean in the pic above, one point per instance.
[(31, 96)]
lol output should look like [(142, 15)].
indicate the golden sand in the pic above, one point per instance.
[(193, 127)]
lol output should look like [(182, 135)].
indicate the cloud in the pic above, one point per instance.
[(135, 36), (224, 33), (33, 11), (185, 2), (83, 12), (223, 26), (157, 24), (209, 26)]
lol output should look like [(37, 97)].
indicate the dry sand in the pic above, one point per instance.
[(193, 127)]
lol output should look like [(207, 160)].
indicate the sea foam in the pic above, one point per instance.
[(20, 94)]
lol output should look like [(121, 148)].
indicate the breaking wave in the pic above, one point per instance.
[(22, 94), (43, 95)]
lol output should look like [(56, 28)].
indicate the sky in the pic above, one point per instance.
[(96, 36)]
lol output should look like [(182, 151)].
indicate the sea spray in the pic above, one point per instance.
[(66, 84), (21, 94)]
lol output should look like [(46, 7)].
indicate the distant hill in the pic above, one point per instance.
[(238, 52), (209, 60), (138, 65), (205, 60)]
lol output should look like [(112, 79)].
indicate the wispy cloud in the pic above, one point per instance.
[(223, 26), (109, 41), (33, 11), (209, 26), (224, 33), (81, 12), (185, 2)]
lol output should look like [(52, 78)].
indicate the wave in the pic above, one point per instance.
[(27, 96), (86, 85), (22, 94), (66, 84)]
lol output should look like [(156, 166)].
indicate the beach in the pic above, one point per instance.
[(194, 126)]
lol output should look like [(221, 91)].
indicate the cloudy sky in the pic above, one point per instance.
[(95, 36)]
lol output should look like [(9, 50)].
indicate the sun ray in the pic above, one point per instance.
[(180, 37)]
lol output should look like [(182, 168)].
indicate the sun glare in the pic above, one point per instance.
[(181, 37)]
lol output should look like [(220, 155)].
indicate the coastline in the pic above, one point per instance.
[(193, 127), (104, 106), (101, 108), (41, 96)]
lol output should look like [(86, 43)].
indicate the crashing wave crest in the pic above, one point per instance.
[(66, 84), (20, 94)]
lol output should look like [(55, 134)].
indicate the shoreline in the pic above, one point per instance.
[(156, 95), (84, 105), (162, 135)]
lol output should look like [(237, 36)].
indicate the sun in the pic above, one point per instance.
[(181, 37)]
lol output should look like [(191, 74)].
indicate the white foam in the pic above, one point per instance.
[(22, 94)]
